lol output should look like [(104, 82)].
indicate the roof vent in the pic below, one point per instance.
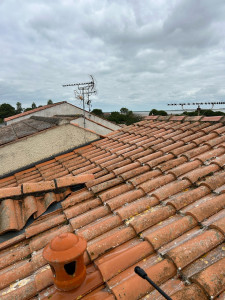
[(65, 256)]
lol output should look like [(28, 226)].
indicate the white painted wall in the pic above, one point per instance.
[(66, 109), (102, 121), (61, 109), (42, 145), (99, 129)]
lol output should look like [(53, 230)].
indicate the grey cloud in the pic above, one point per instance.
[(143, 53)]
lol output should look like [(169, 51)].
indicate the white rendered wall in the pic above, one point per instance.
[(42, 145), (99, 129)]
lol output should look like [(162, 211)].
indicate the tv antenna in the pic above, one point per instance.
[(198, 105), (83, 92)]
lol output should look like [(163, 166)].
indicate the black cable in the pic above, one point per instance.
[(139, 271)]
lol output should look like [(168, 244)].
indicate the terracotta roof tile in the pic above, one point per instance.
[(192, 291), (159, 160), (188, 196), (179, 218), (170, 189), (189, 251), (163, 250), (169, 287), (151, 217), (212, 119), (204, 262), (205, 207), (125, 198), (149, 157), (111, 239), (183, 149), (185, 168), (99, 227), (111, 193), (155, 183), (76, 197), (172, 146), (81, 207), (167, 233), (89, 216), (220, 223), (123, 257), (145, 176), (134, 288), (220, 161), (135, 207), (200, 172), (212, 279), (171, 164)]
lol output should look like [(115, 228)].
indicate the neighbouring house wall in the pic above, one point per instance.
[(65, 109), (103, 121), (98, 128), (41, 146), (61, 109)]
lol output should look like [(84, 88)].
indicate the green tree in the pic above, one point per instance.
[(158, 112), (6, 110), (19, 108), (124, 111), (33, 105), (49, 102), (120, 118), (97, 112)]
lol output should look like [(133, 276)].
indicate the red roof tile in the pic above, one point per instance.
[(155, 198)]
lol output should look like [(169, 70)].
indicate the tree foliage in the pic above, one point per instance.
[(204, 112), (6, 110), (125, 116), (19, 108), (50, 102), (156, 112), (97, 112), (33, 105), (124, 110)]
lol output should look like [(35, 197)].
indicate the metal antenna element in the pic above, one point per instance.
[(83, 92), (197, 103), (140, 272)]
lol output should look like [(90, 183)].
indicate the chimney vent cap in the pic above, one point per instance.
[(65, 248)]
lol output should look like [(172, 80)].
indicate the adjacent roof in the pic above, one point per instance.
[(32, 111), (21, 129), (157, 201)]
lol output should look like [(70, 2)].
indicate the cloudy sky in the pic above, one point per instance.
[(143, 54)]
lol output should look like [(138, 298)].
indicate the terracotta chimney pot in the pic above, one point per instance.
[(65, 256)]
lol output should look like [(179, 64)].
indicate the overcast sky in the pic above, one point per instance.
[(143, 54)]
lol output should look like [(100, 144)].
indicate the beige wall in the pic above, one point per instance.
[(66, 109), (99, 129), (41, 146), (61, 109)]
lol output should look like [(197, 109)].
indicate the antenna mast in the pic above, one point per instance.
[(83, 92), (197, 103)]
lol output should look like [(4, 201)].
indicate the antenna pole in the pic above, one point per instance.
[(83, 107), (83, 89), (198, 104)]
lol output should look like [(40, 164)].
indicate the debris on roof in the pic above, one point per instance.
[(157, 201)]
